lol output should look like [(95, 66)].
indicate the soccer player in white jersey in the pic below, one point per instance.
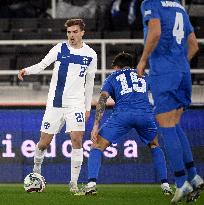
[(70, 94)]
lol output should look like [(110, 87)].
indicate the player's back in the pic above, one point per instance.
[(171, 51), (128, 90)]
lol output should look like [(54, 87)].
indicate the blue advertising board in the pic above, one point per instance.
[(128, 161)]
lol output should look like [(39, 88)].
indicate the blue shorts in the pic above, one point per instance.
[(171, 91), (121, 122)]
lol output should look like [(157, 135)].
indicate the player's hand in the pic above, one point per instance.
[(87, 115), (21, 74), (141, 68), (94, 134)]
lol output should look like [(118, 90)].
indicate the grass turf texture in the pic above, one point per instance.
[(114, 194)]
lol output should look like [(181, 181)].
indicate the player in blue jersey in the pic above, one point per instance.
[(170, 43), (132, 110)]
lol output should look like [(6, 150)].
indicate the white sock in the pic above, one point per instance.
[(76, 162), (38, 159)]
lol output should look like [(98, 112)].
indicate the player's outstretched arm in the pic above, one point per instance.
[(45, 62), (21, 74)]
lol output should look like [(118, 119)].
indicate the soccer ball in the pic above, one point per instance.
[(34, 182)]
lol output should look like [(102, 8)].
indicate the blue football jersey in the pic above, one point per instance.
[(128, 90), (171, 51)]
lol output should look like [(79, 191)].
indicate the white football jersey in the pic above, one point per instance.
[(73, 75)]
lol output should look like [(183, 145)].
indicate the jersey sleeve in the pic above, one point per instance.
[(190, 28), (45, 62), (90, 75), (150, 10), (107, 87)]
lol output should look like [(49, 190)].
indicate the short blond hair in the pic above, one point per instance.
[(75, 21)]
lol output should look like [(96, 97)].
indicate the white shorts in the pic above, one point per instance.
[(55, 118)]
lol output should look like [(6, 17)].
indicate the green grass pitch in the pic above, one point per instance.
[(114, 194)]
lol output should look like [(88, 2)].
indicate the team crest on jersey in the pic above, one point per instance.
[(147, 12), (46, 125), (85, 61)]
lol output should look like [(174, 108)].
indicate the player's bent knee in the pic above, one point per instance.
[(101, 145), (153, 144), (167, 119)]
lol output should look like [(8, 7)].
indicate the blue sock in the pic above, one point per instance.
[(187, 153), (94, 164), (175, 153), (159, 163)]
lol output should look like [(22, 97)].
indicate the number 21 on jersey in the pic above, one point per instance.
[(178, 31), (135, 80)]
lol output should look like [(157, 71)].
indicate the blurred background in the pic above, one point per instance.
[(28, 30)]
